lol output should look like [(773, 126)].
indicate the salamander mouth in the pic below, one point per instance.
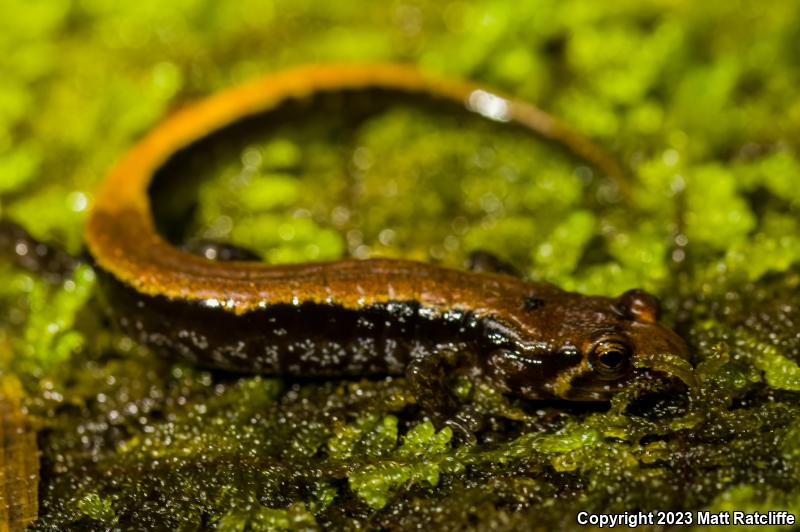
[(588, 388), (657, 371)]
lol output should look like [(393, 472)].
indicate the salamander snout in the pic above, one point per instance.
[(588, 348), (637, 344)]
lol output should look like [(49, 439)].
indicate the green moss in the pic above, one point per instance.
[(97, 508), (417, 459), (560, 252), (41, 324), (294, 518), (731, 218), (779, 371), (19, 166), (371, 436)]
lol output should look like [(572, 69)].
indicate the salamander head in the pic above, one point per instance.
[(583, 348)]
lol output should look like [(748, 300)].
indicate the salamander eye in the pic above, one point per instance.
[(610, 355)]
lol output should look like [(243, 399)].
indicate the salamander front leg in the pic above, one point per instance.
[(431, 375)]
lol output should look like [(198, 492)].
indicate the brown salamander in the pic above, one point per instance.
[(363, 317)]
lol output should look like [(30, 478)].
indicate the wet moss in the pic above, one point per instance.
[(706, 119)]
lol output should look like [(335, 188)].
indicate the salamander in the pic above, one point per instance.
[(353, 318)]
